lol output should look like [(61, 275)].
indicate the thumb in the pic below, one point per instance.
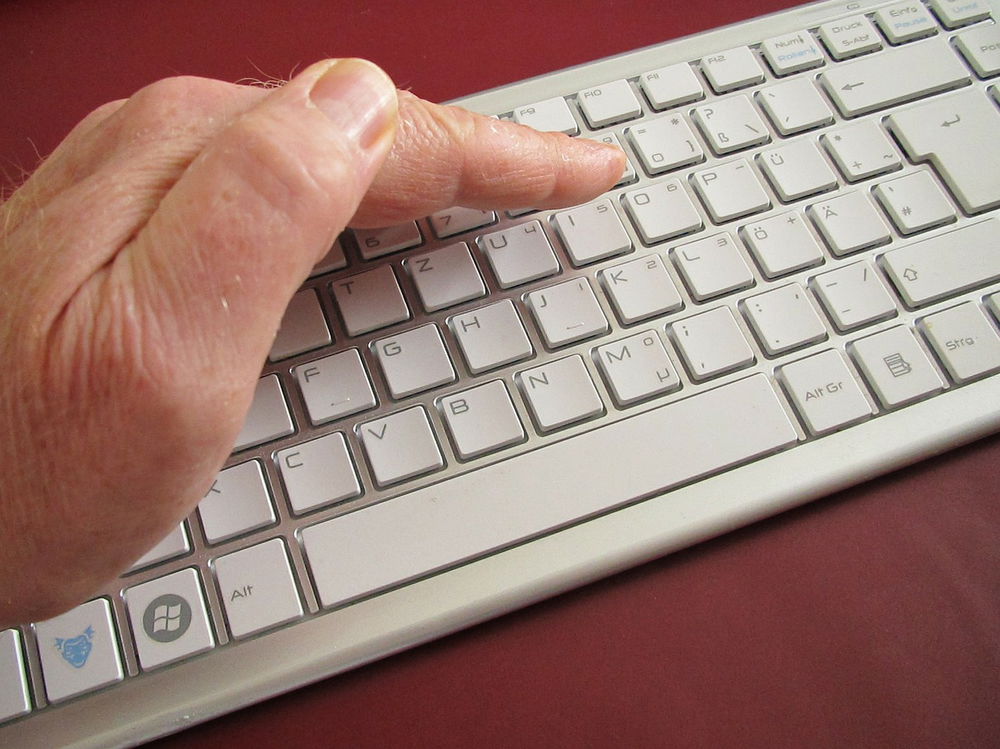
[(237, 234)]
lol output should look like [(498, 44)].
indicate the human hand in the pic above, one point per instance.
[(145, 267)]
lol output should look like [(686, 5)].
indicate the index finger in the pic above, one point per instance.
[(444, 156)]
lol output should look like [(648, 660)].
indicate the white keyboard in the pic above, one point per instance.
[(794, 287)]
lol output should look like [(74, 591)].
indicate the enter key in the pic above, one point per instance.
[(958, 136)]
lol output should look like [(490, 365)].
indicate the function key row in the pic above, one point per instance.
[(740, 67)]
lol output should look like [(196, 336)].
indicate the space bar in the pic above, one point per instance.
[(466, 517)]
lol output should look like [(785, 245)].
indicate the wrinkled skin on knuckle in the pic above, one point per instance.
[(287, 187)]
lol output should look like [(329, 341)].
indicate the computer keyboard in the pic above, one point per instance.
[(794, 287)]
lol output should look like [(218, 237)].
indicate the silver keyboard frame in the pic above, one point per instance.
[(227, 678)]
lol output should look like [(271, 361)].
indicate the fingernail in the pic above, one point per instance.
[(359, 98)]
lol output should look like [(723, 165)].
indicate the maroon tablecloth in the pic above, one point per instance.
[(869, 619)]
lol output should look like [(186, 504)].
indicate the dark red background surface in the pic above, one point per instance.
[(869, 619)]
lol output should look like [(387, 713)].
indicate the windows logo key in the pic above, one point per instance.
[(167, 618)]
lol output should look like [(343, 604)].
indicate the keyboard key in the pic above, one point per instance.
[(730, 191), (609, 103), (731, 125), (14, 698), (473, 514), (957, 135), (794, 106), (560, 393), (317, 473), (640, 289), (782, 244), (849, 223), (784, 319), (850, 37), (854, 296), (662, 211), (790, 53), (732, 69), (964, 340), (237, 502), (981, 49), (637, 368), (335, 386), (825, 393), (481, 420), (947, 264), (519, 254), (303, 327), (491, 336), (400, 446), (665, 143), (592, 232), (370, 300), (374, 243), (894, 77), (671, 86), (861, 151), (906, 21), (712, 266), (169, 619), (458, 220), (333, 260), (797, 170), (173, 545), (896, 367), (567, 312), (268, 417), (78, 651), (628, 176), (446, 277), (955, 13), (712, 343), (914, 203), (257, 588), (551, 115), (414, 361)]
